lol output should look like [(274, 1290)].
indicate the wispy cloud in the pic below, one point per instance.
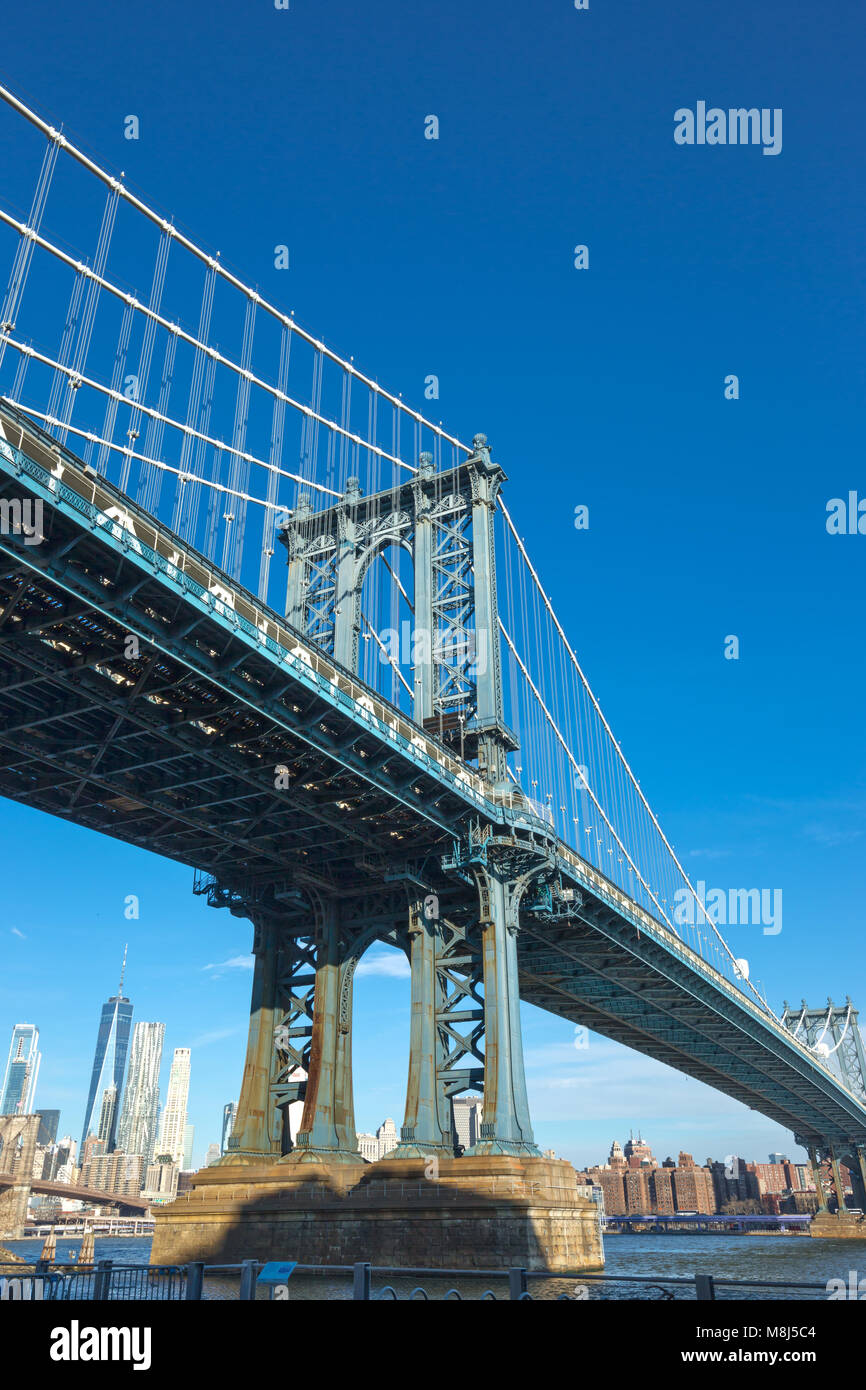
[(829, 836), (709, 853), (233, 963), (205, 1039), (392, 964), (16, 932), (848, 806)]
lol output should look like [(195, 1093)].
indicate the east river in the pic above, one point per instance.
[(763, 1257)]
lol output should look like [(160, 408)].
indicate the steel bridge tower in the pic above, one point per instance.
[(311, 933), (834, 1031)]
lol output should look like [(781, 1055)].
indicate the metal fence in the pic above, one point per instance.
[(99, 1282), (253, 1281)]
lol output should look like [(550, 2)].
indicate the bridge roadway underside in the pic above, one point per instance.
[(177, 749), (174, 749), (599, 971)]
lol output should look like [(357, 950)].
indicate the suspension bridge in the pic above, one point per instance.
[(260, 616)]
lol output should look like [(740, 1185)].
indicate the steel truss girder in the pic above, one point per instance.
[(149, 632), (360, 736), (151, 727)]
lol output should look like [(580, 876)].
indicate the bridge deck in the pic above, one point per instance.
[(75, 1192)]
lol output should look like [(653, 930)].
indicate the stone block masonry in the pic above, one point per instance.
[(474, 1213)]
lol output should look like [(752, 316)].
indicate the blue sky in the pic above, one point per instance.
[(603, 386)]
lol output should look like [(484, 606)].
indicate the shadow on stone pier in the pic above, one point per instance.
[(467, 1213)]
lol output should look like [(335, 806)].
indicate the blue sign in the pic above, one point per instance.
[(276, 1273)]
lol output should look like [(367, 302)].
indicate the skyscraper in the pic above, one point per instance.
[(387, 1136), (109, 1062), (368, 1147), (173, 1127), (22, 1070), (466, 1116), (108, 1116), (229, 1113), (638, 1153), (137, 1130), (48, 1128)]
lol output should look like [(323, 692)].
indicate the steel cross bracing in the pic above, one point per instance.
[(455, 638), (460, 1010), (172, 744), (833, 1032), (433, 516)]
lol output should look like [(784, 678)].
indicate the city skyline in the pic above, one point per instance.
[(690, 1184), (631, 1177)]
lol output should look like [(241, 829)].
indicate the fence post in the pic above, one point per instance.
[(517, 1282), (705, 1289), (362, 1281), (248, 1280), (194, 1280), (102, 1280)]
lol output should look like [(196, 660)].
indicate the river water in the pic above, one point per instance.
[(655, 1255)]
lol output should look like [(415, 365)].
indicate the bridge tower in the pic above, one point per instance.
[(453, 905), (308, 940), (833, 1034), (445, 522)]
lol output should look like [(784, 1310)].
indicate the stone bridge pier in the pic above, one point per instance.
[(292, 1184), (18, 1135), (835, 1218)]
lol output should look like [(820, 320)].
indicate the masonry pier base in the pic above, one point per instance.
[(838, 1225), (467, 1213)]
